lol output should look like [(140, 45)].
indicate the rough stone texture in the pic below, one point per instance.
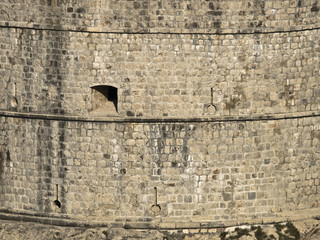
[(17, 231), (208, 171), (161, 75), (309, 230), (217, 107), (198, 16)]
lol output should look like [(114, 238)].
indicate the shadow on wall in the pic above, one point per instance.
[(104, 101)]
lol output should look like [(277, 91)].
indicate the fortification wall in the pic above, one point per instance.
[(204, 172), (179, 16), (161, 75), (214, 103)]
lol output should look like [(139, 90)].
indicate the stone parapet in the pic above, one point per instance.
[(163, 16)]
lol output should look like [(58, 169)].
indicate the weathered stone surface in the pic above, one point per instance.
[(167, 16), (215, 104), (16, 231), (163, 76), (119, 174)]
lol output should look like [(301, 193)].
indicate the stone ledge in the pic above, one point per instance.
[(50, 221), (160, 120), (140, 225), (158, 30), (283, 217), (188, 225)]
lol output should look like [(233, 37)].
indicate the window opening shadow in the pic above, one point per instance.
[(104, 100)]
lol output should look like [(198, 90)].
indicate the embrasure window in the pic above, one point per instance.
[(104, 100)]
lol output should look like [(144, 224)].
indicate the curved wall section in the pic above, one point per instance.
[(181, 16), (208, 172), (160, 111), (161, 75)]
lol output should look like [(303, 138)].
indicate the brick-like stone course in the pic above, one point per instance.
[(166, 16), (109, 171), (215, 109), (161, 75)]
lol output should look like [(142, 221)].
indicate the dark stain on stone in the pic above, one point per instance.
[(61, 138), (143, 12), (174, 5), (130, 114), (11, 60), (8, 156), (231, 104), (259, 24), (194, 25), (315, 134), (215, 13), (281, 95), (261, 5), (226, 196), (315, 7), (236, 98), (304, 101), (288, 94), (257, 140), (47, 168), (125, 93), (1, 164), (80, 10), (217, 25), (277, 130), (184, 149), (136, 5), (251, 195)]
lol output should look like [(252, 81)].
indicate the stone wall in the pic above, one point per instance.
[(208, 171), (161, 75), (213, 103), (179, 16)]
